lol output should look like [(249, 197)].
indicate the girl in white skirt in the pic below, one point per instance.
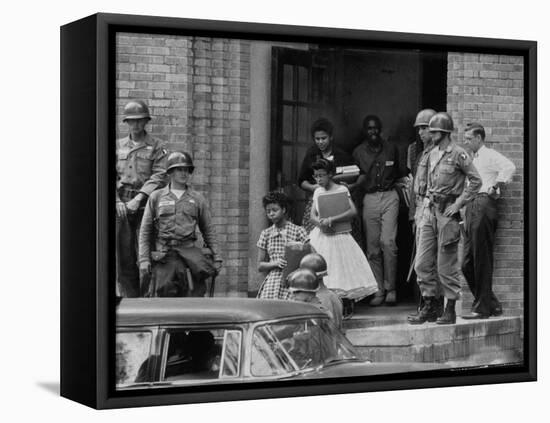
[(349, 273)]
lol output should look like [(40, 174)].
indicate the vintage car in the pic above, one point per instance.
[(167, 342)]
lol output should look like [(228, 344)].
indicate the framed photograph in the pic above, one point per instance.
[(193, 152)]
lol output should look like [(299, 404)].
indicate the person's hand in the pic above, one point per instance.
[(451, 210), (134, 203), (218, 265), (121, 210), (281, 263), (145, 269)]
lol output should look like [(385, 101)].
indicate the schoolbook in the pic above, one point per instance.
[(333, 204)]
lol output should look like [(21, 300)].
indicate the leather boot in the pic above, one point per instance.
[(426, 313), (449, 315), (439, 305), (418, 308)]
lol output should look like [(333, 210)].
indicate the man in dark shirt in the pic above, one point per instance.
[(380, 170)]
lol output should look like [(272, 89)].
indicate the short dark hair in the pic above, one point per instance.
[(477, 129), (276, 197), (373, 118), (324, 164), (322, 124)]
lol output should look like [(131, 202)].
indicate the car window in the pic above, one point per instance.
[(231, 354), (300, 344), (268, 356), (196, 354), (132, 357)]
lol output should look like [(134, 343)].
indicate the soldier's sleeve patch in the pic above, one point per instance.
[(463, 156)]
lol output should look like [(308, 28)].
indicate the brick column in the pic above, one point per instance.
[(489, 89)]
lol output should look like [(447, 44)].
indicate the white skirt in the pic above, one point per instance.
[(349, 272)]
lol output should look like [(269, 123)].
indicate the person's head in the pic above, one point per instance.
[(303, 285), (321, 132), (421, 124), (316, 263), (201, 345), (179, 167), (276, 205), (136, 116), (441, 126), (372, 127), (474, 136), (323, 171)]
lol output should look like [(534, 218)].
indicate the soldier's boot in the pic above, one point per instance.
[(418, 308), (426, 313), (439, 305), (449, 315)]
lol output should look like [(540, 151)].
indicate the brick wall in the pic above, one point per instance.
[(489, 89), (199, 95)]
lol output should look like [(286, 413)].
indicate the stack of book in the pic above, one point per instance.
[(347, 174)]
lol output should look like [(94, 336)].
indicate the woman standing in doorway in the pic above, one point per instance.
[(322, 134)]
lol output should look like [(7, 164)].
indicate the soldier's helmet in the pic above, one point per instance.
[(303, 280), (179, 159), (136, 109), (423, 117), (314, 262), (441, 122)]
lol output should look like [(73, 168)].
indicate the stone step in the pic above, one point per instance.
[(496, 340)]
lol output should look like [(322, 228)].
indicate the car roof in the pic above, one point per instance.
[(155, 311)]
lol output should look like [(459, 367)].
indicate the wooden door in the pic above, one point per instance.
[(302, 91)]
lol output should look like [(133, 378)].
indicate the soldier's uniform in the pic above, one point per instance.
[(140, 169), (167, 241), (443, 180)]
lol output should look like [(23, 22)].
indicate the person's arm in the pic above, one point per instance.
[(306, 174), (470, 189), (158, 177), (265, 265), (145, 234), (505, 169), (208, 230)]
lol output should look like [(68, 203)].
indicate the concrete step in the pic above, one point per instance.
[(387, 337)]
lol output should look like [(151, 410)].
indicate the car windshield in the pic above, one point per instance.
[(297, 345)]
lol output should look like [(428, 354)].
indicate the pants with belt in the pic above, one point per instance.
[(127, 236), (479, 241), (431, 267), (380, 212), (437, 251), (182, 272)]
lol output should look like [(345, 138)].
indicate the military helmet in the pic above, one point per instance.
[(303, 280), (179, 159), (136, 109), (314, 262), (423, 117), (441, 122)]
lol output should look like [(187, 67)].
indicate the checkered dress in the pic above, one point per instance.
[(273, 240)]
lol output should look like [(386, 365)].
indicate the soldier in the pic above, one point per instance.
[(140, 170), (317, 264), (177, 267), (417, 156), (481, 223), (444, 181), (303, 286), (380, 170)]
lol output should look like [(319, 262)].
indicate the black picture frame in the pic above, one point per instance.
[(88, 303)]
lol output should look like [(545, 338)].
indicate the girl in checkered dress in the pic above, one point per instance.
[(272, 242)]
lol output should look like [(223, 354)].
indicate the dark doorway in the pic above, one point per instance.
[(345, 85)]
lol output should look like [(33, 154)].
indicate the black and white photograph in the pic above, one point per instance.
[(245, 211), (297, 210)]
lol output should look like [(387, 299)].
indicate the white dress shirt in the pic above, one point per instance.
[(493, 167)]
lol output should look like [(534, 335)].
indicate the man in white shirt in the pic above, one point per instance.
[(481, 223)]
